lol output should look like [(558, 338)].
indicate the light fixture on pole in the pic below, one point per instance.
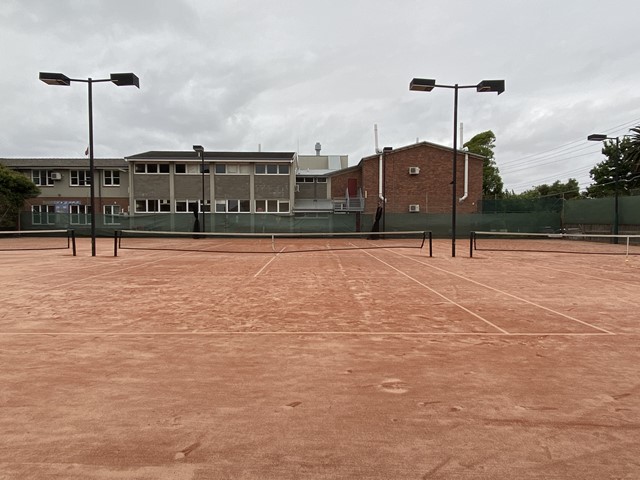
[(199, 149), (600, 137), (120, 79), (426, 85)]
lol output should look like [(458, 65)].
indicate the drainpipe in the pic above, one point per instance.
[(380, 166), (466, 169)]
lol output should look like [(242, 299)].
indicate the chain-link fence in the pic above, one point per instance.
[(511, 215)]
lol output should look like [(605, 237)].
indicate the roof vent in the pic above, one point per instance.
[(318, 148)]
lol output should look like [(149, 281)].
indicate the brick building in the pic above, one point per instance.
[(416, 178)]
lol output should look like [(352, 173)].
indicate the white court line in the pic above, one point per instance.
[(571, 272), (84, 279), (314, 333), (508, 294), (268, 263), (438, 293)]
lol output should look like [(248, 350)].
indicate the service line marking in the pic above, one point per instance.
[(268, 263), (302, 333), (438, 293), (488, 287), (84, 279)]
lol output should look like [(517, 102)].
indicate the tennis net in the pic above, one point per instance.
[(217, 242), (37, 240), (595, 244)]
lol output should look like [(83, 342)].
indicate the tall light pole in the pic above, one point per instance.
[(120, 79), (426, 85), (600, 137), (199, 149)]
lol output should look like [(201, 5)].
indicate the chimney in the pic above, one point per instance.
[(318, 148)]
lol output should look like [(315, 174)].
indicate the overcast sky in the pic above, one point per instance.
[(233, 75)]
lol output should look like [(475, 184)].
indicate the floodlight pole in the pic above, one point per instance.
[(199, 149), (426, 85), (120, 79), (598, 137)]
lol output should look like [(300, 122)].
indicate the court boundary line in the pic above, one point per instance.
[(438, 293), (488, 287), (310, 333), (110, 272)]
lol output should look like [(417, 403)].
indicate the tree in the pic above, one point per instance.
[(568, 190), (618, 161), (15, 188), (483, 144), (633, 151)]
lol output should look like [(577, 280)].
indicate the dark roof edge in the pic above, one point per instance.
[(189, 154), (423, 144)]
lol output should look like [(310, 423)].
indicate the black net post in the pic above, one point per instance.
[(72, 235), (472, 236)]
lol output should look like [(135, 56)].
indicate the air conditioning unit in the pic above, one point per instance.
[(414, 208), (414, 170), (56, 176)]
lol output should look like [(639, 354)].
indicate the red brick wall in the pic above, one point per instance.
[(430, 189), (340, 181)]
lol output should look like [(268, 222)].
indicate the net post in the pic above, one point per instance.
[(115, 243), (72, 235), (430, 243), (472, 236)]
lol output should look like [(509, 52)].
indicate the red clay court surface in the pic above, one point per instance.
[(358, 364)]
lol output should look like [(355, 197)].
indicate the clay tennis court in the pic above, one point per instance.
[(340, 364)]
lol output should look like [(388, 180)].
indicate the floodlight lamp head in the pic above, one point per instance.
[(125, 79), (422, 84), (597, 137), (491, 86), (55, 79), (198, 148)]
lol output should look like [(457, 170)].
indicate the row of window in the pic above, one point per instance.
[(221, 206), (77, 178), (311, 179), (111, 178), (78, 214), (219, 168)]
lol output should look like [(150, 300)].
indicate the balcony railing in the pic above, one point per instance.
[(353, 204)]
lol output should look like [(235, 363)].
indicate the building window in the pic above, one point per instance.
[(43, 214), (272, 206), (151, 168), (42, 178), (304, 179), (111, 178), (79, 214), (271, 169), (321, 179), (152, 206), (188, 206), (111, 214), (232, 169), (233, 206), (190, 168), (80, 178)]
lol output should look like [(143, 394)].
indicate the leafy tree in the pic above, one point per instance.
[(633, 151), (15, 188), (618, 161), (568, 190), (483, 144)]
